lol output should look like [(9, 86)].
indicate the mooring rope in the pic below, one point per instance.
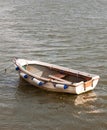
[(4, 70)]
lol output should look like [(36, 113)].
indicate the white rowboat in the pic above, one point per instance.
[(55, 78)]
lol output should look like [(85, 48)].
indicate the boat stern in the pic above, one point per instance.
[(83, 87)]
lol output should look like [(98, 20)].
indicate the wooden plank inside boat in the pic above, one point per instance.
[(34, 70)]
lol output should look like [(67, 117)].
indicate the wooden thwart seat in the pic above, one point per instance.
[(58, 75), (59, 78)]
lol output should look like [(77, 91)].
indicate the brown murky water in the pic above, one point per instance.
[(64, 32)]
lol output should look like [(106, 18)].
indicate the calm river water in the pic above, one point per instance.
[(71, 33)]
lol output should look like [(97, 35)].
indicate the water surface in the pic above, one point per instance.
[(64, 32)]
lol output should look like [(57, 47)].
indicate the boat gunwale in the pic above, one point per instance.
[(58, 67)]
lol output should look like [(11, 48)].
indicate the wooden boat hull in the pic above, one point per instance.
[(40, 75)]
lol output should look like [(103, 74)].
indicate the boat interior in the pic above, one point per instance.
[(55, 73)]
